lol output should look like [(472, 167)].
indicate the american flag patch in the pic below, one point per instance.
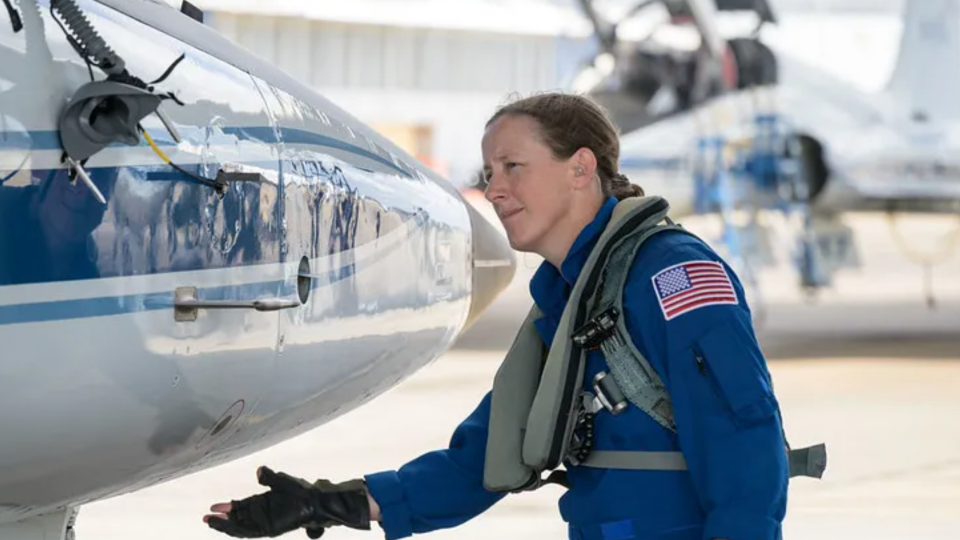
[(685, 287)]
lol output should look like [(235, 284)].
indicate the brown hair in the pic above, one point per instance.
[(569, 122)]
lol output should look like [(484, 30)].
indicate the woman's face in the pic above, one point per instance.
[(528, 187)]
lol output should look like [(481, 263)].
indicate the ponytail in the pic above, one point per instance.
[(622, 188)]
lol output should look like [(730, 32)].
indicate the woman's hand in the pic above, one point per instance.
[(290, 504)]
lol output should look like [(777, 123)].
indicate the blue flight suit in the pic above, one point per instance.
[(727, 417)]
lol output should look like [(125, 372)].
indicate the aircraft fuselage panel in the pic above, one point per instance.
[(102, 389)]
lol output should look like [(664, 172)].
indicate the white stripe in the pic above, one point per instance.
[(704, 290), (706, 272), (186, 153), (168, 281), (710, 277), (712, 282), (720, 299), (667, 269)]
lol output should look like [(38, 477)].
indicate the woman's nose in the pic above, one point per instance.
[(495, 188)]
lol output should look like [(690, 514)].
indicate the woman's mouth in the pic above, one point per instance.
[(507, 214)]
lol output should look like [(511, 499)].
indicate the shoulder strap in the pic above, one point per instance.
[(633, 374), (636, 461), (634, 379)]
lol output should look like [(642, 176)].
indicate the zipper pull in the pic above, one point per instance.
[(700, 364)]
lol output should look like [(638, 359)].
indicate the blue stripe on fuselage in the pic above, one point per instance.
[(299, 136), (50, 140), (106, 306), (82, 308)]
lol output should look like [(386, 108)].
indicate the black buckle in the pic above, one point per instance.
[(592, 334)]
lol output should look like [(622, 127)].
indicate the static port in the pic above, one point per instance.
[(303, 280), (219, 427)]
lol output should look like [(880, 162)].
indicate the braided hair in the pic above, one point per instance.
[(622, 188)]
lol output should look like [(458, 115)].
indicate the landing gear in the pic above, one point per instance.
[(718, 190), (58, 525), (946, 248), (809, 266), (776, 170)]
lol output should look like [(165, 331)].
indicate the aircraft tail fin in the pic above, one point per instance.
[(926, 77)]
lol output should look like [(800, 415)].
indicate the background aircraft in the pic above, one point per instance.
[(199, 267), (721, 120), (681, 63), (725, 122)]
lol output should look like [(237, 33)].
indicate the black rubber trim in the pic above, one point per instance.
[(554, 459), (192, 11)]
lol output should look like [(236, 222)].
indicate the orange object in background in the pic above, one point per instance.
[(416, 140), (438, 165)]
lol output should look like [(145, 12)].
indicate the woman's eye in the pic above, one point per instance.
[(510, 165)]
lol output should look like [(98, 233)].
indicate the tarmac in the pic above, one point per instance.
[(869, 369)]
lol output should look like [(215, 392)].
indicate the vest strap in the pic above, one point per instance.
[(810, 461), (637, 461), (638, 382), (632, 378), (632, 372)]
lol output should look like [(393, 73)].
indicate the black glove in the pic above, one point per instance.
[(292, 503)]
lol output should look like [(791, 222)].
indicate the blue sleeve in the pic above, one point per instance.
[(697, 330), (440, 489)]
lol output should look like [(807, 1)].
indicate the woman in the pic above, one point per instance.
[(551, 163)]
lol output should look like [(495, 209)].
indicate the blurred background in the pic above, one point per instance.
[(864, 344)]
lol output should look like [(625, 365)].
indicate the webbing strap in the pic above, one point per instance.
[(810, 461), (637, 379), (618, 267), (637, 461), (634, 375)]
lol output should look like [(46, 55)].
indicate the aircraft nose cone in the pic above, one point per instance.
[(494, 264)]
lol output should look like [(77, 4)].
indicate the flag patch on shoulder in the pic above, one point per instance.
[(691, 285)]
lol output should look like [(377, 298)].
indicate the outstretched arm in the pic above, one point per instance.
[(440, 489), (437, 490)]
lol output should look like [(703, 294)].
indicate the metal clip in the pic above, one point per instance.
[(592, 334), (77, 168), (591, 404), (609, 393), (167, 123)]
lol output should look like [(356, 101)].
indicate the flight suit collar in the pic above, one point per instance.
[(550, 287)]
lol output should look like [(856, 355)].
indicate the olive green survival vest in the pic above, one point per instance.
[(538, 400)]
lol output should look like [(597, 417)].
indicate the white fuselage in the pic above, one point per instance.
[(102, 390)]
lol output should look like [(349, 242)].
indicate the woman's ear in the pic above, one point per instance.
[(583, 164)]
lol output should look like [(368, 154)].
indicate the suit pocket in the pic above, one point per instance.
[(730, 358)]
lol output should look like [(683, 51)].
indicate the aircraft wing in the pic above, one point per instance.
[(704, 15), (702, 12), (606, 32), (679, 8)]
